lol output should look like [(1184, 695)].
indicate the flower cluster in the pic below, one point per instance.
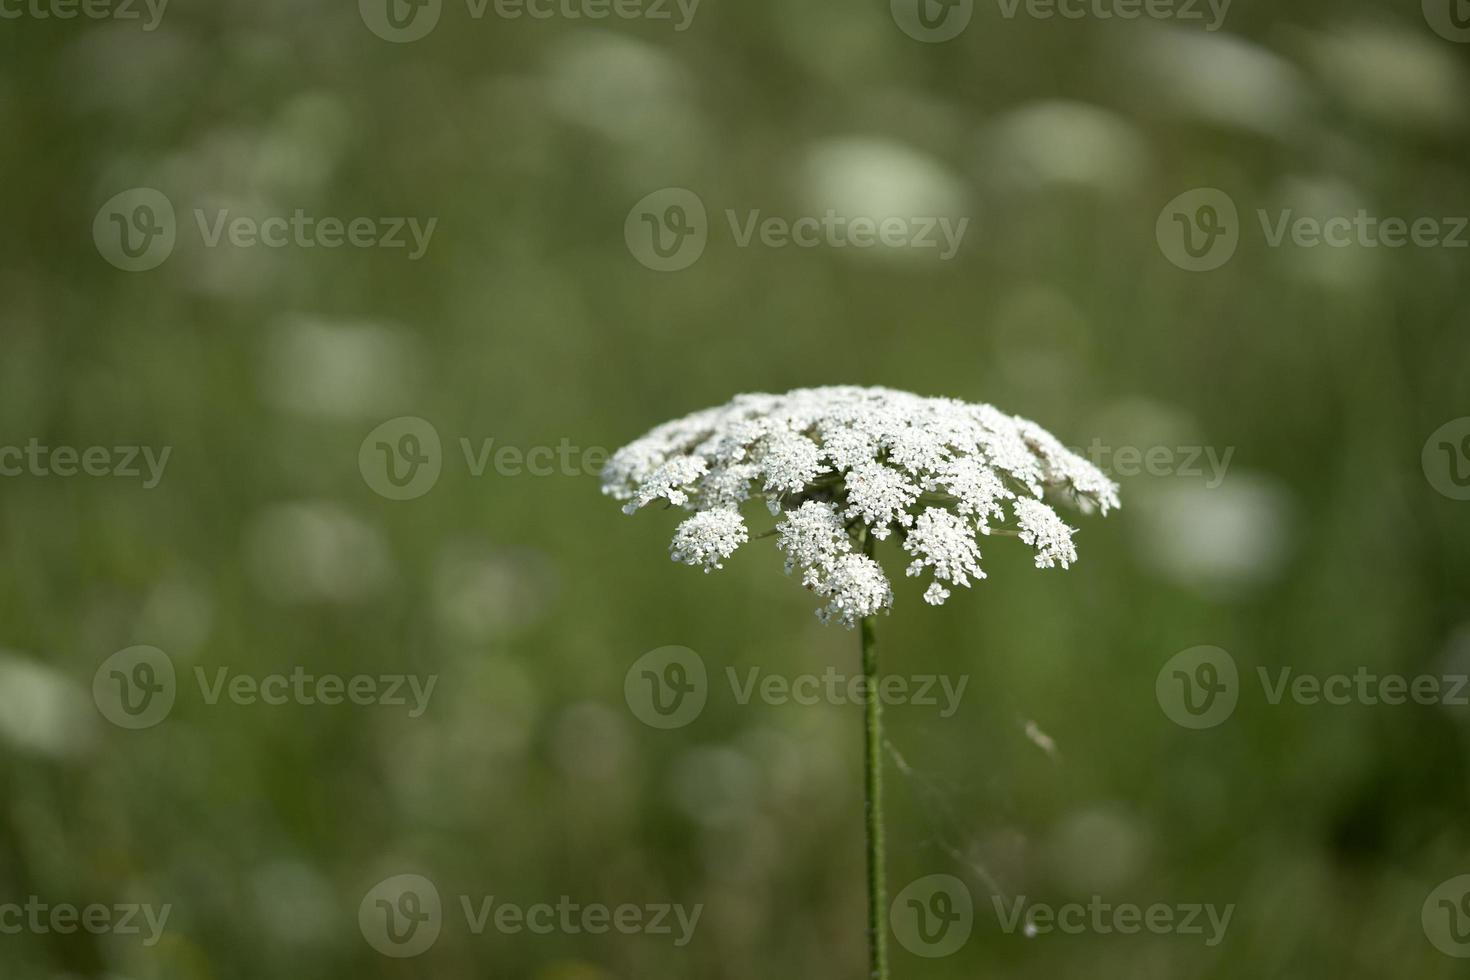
[(844, 466)]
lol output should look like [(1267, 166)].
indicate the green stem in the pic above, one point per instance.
[(873, 799)]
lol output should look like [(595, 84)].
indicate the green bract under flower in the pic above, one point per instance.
[(837, 464)]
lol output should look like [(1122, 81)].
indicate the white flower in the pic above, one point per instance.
[(857, 587), (671, 480), (813, 538), (843, 466), (880, 495), (1046, 532), (944, 542), (789, 460), (978, 489), (1066, 468), (708, 538)]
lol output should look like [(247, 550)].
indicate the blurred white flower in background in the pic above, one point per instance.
[(879, 178), (1454, 661), (1040, 336), (1220, 540), (41, 710), (626, 90), (177, 614), (1142, 422), (290, 157), (716, 786), (1212, 78), (1059, 142), (323, 368), (1398, 78), (455, 762), (590, 743), (116, 67), (1323, 199), (304, 143), (481, 593), (316, 551), (1098, 849), (294, 902)]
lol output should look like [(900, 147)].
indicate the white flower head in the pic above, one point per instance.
[(708, 538), (946, 543), (842, 467), (1046, 532), (813, 537), (857, 587)]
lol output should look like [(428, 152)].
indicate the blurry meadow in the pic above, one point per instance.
[(1285, 419)]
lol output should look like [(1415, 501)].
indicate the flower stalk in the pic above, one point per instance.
[(873, 802)]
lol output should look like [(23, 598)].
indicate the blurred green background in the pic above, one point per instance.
[(1329, 545)]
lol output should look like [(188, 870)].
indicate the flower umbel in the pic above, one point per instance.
[(840, 464)]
